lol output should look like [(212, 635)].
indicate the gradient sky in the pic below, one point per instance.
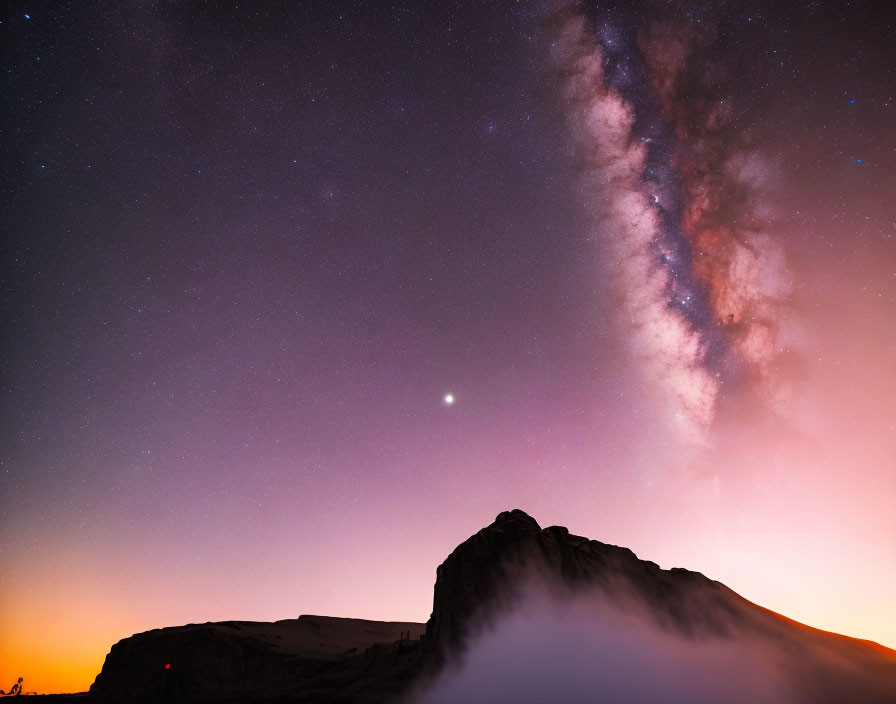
[(248, 251)]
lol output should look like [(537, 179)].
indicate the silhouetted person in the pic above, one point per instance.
[(15, 690)]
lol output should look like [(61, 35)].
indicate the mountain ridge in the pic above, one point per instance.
[(481, 582)]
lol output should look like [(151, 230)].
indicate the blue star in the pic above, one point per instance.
[(852, 101)]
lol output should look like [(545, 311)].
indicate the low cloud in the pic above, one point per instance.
[(554, 646)]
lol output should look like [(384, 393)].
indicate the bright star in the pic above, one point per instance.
[(449, 399)]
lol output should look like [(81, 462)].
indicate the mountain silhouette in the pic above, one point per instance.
[(485, 581)]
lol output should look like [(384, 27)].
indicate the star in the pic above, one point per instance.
[(449, 399)]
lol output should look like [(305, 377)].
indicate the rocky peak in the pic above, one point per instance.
[(484, 573)]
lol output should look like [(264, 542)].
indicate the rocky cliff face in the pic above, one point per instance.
[(486, 578), (483, 575)]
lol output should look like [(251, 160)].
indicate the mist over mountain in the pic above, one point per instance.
[(525, 614), (520, 614)]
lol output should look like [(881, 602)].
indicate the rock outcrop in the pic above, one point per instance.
[(312, 658), (485, 577), (482, 578)]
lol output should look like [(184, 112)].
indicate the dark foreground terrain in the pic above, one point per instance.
[(322, 659)]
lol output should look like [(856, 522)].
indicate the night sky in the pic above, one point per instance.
[(647, 250)]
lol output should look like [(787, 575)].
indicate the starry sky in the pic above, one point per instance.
[(648, 249)]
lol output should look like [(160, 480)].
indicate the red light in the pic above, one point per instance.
[(167, 665)]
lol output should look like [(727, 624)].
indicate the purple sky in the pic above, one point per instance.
[(251, 250)]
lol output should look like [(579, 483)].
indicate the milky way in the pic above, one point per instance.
[(682, 206)]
